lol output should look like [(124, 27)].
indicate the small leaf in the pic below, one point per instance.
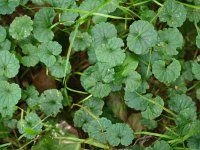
[(82, 40), (42, 23), (5, 45), (31, 59), (102, 32), (9, 65), (194, 142), (166, 73), (8, 6), (96, 79), (158, 145), (198, 93), (21, 27), (48, 51), (173, 13), (120, 133), (196, 70), (111, 53), (31, 126), (10, 94), (142, 36), (51, 102)]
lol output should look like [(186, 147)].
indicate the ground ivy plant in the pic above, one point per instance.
[(100, 74)]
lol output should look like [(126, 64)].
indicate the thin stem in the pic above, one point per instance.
[(154, 134), (158, 3), (192, 87), (76, 91)]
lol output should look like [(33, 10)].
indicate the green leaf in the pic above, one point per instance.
[(167, 43), (31, 57), (48, 52), (82, 40), (8, 6), (198, 93), (136, 101), (194, 142), (166, 73), (111, 53), (38, 2), (158, 145), (120, 133), (132, 81), (60, 3), (193, 15), (96, 79), (198, 40), (102, 32), (142, 36), (173, 13), (196, 70), (98, 129), (21, 27), (42, 22), (32, 96), (58, 69), (10, 94), (187, 71), (5, 45), (51, 102), (3, 34), (31, 126), (153, 111), (9, 65), (178, 103)]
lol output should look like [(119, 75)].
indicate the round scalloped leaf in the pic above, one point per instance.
[(173, 13), (167, 43), (132, 81), (31, 126), (120, 133), (193, 15), (135, 100), (21, 27), (166, 73), (111, 53), (3, 33), (82, 40), (10, 94), (96, 79), (51, 102), (97, 129), (9, 64), (5, 45), (48, 52), (181, 102), (159, 145), (42, 23), (31, 57), (153, 111), (102, 32), (196, 70), (142, 36), (58, 69), (8, 6)]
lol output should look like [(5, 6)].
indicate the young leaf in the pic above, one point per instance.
[(102, 32), (51, 102), (32, 55), (31, 126), (193, 15), (166, 73), (142, 36), (198, 93), (98, 129), (3, 34), (58, 69), (5, 45), (8, 6), (120, 133), (111, 53), (158, 145), (82, 40), (196, 70), (48, 52), (181, 102), (42, 23), (96, 79), (10, 94), (9, 65), (21, 27), (168, 44), (173, 13)]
